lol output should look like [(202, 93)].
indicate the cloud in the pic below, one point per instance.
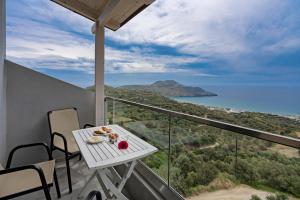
[(285, 45), (42, 39), (205, 75), (116, 62), (50, 14), (216, 29), (142, 61), (56, 63), (53, 41), (228, 34)]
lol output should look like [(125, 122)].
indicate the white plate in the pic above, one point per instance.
[(94, 140)]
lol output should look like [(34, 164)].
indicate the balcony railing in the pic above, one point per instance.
[(200, 154)]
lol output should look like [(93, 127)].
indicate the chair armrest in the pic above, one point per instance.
[(27, 146), (88, 125), (61, 136), (36, 168), (94, 194)]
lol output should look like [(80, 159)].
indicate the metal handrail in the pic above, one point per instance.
[(271, 137)]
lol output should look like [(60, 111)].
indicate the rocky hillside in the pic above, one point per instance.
[(171, 88)]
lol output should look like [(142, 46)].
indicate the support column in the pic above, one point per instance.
[(99, 74), (2, 82)]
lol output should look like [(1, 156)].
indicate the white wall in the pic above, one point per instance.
[(30, 95), (2, 83)]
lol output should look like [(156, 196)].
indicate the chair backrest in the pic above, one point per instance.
[(63, 121)]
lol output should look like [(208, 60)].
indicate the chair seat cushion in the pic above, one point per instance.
[(21, 181)]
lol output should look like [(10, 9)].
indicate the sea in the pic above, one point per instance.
[(283, 101)]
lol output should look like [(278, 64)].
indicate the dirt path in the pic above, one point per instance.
[(210, 146), (242, 192)]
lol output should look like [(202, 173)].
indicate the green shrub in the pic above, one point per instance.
[(278, 196), (255, 197)]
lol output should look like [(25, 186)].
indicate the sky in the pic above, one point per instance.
[(207, 42)]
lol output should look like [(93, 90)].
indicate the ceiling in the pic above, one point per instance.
[(115, 13)]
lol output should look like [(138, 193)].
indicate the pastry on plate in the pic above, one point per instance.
[(99, 132), (106, 129)]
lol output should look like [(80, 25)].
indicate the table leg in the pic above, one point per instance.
[(126, 175), (110, 190), (115, 176)]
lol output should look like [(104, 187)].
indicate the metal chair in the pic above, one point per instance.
[(61, 123), (94, 195), (18, 181)]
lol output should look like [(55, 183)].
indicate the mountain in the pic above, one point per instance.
[(171, 88)]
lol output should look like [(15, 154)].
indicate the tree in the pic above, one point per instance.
[(246, 171), (206, 173), (278, 196)]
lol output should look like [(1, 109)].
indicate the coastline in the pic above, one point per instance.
[(275, 100), (233, 110)]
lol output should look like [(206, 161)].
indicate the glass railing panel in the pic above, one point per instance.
[(151, 126), (202, 158), (109, 107), (202, 162), (268, 169)]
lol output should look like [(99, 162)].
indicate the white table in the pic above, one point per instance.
[(104, 156)]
